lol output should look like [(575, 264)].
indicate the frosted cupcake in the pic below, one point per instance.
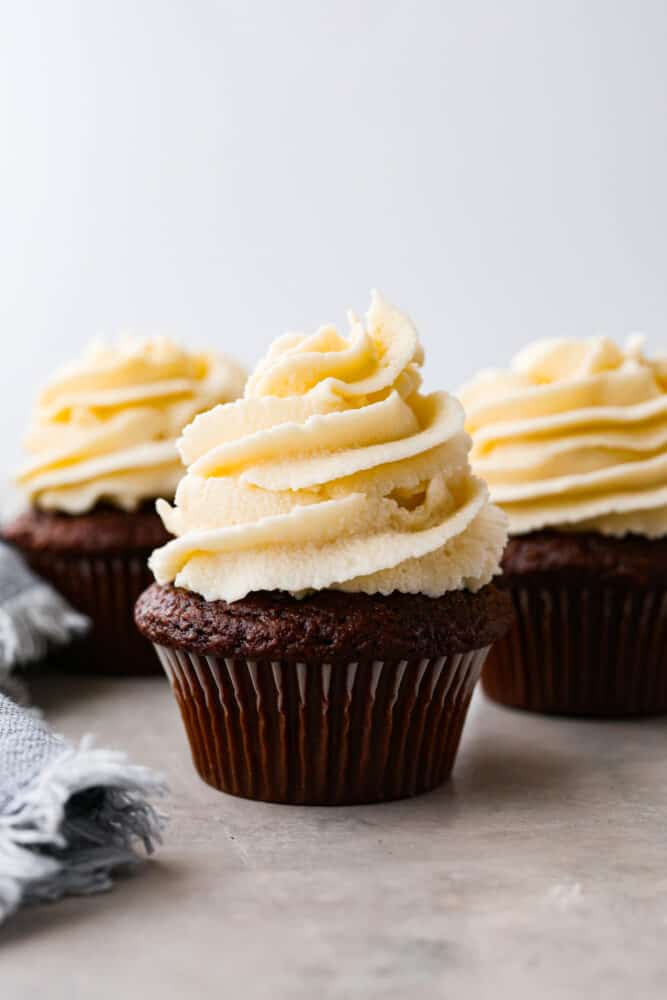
[(102, 447), (325, 608), (573, 443)]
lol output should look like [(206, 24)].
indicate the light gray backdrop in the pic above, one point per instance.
[(227, 170)]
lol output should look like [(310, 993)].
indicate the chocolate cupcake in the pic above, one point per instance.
[(325, 607), (573, 443), (102, 448)]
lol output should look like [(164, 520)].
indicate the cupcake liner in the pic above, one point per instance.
[(321, 733), (105, 588), (583, 650)]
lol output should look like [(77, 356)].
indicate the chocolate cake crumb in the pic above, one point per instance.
[(586, 557), (103, 530), (329, 625)]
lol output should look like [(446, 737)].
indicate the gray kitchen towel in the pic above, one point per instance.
[(69, 816), (32, 615)]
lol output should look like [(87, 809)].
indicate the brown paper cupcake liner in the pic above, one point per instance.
[(329, 734), (591, 651), (105, 588)]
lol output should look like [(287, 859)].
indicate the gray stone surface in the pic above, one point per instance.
[(539, 871)]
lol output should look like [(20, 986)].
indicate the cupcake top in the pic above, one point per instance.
[(574, 436), (333, 472), (105, 426)]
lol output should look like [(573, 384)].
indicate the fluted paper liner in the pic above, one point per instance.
[(105, 588), (330, 734), (591, 650)]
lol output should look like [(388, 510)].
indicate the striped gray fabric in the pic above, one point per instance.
[(69, 816)]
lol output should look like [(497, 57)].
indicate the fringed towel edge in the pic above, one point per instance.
[(52, 844), (34, 619)]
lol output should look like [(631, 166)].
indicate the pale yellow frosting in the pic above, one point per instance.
[(333, 471), (574, 436), (105, 426)]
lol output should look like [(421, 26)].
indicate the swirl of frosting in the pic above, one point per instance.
[(333, 471), (574, 436), (105, 426)]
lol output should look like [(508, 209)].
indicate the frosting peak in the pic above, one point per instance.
[(105, 426), (384, 355), (334, 472), (574, 436)]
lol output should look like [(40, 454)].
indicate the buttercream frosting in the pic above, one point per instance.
[(574, 436), (334, 471), (105, 426)]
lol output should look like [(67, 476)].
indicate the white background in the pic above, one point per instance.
[(225, 171)]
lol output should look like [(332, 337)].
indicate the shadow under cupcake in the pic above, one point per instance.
[(325, 608)]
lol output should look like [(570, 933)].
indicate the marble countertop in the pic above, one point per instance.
[(538, 871)]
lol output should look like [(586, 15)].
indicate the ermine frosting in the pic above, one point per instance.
[(334, 471), (105, 426), (574, 436)]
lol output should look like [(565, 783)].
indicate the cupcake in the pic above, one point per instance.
[(572, 441), (102, 447), (325, 607)]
